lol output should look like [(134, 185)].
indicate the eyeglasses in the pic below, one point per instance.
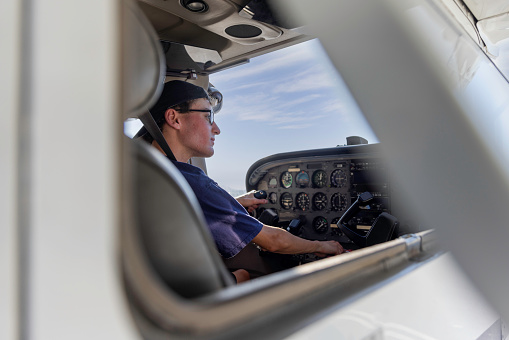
[(210, 116)]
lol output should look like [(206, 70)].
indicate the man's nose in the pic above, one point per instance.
[(215, 129)]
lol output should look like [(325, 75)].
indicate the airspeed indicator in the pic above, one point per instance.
[(286, 179)]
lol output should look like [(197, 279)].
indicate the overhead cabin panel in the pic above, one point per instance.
[(224, 27)]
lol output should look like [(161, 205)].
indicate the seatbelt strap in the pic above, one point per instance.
[(151, 126)]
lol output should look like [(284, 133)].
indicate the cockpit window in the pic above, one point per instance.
[(288, 100)]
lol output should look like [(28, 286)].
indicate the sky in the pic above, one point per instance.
[(288, 100)]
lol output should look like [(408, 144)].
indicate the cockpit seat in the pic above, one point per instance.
[(172, 228)]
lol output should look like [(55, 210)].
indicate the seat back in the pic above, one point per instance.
[(172, 228)]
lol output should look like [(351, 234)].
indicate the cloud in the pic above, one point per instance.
[(296, 126), (301, 100), (333, 105), (297, 56), (298, 90)]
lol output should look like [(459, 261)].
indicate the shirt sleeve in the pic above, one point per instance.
[(231, 226)]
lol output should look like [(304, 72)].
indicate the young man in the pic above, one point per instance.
[(183, 114)]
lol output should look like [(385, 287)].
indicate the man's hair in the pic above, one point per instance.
[(182, 107)]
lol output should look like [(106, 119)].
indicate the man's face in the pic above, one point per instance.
[(197, 135)]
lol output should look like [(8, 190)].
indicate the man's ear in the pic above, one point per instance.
[(171, 116)]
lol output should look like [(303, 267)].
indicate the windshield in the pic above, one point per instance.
[(289, 100)]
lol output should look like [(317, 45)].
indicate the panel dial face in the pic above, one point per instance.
[(272, 182), (338, 202), (319, 179), (302, 179), (286, 179), (302, 201), (286, 201), (338, 178), (272, 198), (319, 201), (320, 224)]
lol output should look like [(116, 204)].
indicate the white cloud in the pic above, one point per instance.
[(296, 126), (301, 100), (296, 56), (333, 105)]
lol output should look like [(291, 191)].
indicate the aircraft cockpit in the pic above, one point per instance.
[(381, 125), (350, 193)]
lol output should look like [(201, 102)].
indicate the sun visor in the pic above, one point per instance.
[(495, 34), (495, 30), (482, 9)]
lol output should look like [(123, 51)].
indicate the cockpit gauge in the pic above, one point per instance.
[(338, 202), (286, 179), (338, 178), (286, 201), (319, 201), (272, 198), (320, 224), (302, 201), (273, 182), (319, 179), (302, 179)]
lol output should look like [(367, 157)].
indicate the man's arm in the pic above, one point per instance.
[(277, 240)]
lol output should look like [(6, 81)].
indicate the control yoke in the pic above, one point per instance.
[(384, 228)]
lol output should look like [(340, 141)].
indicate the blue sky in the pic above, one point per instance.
[(288, 100)]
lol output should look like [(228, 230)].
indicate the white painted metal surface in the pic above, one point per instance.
[(435, 302), (70, 281), (10, 62)]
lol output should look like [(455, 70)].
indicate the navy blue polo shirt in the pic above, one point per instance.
[(231, 226)]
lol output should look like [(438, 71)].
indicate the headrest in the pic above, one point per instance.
[(143, 62)]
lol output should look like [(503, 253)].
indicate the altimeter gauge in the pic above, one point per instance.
[(319, 179)]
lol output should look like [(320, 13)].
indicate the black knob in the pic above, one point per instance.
[(260, 194)]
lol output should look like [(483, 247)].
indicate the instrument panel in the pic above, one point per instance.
[(316, 187)]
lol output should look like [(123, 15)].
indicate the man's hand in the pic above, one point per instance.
[(249, 202), (329, 248)]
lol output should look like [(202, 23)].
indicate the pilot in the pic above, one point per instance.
[(184, 115)]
